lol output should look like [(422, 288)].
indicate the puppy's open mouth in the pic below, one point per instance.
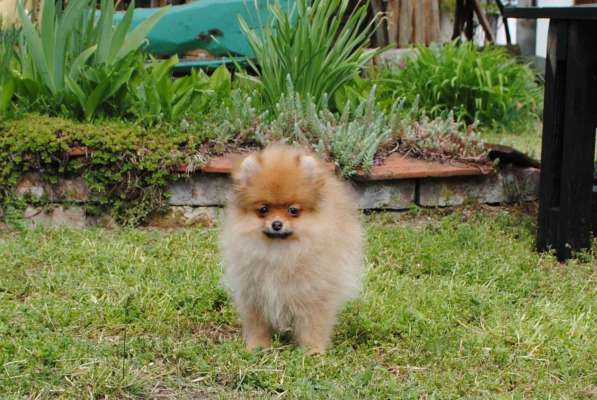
[(277, 235)]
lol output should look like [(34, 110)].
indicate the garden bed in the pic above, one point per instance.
[(59, 171), (111, 138)]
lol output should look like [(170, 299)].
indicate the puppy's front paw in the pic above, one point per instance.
[(313, 345), (257, 332), (313, 331), (254, 343)]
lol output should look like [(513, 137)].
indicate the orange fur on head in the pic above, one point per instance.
[(291, 246), (280, 176)]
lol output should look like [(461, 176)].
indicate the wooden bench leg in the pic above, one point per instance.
[(579, 138), (553, 121), (565, 220)]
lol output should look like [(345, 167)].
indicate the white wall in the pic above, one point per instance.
[(501, 32), (543, 24)]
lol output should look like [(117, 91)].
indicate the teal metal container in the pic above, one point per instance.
[(212, 25)]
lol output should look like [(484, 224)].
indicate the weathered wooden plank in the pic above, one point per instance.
[(419, 25), (405, 28), (393, 14), (433, 33), (381, 30)]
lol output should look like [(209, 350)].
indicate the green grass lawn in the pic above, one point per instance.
[(455, 305), (528, 142)]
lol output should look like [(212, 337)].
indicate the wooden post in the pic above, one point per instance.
[(569, 122), (469, 28), (579, 137), (505, 21), (463, 20), (551, 151)]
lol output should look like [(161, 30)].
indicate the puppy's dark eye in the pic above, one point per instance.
[(293, 211), (263, 210)]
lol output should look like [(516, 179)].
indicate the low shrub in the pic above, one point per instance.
[(487, 86), (355, 139), (318, 45)]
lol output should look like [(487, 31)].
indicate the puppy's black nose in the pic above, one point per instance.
[(277, 225)]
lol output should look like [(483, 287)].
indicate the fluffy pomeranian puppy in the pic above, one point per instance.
[(292, 247)]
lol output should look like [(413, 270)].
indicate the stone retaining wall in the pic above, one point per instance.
[(198, 199)]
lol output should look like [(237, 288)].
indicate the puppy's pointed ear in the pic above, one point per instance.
[(246, 169), (310, 165)]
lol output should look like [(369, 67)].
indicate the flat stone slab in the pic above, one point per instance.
[(380, 195), (508, 186), (209, 190), (197, 200), (186, 216), (396, 166), (200, 190), (57, 215), (73, 190), (394, 56)]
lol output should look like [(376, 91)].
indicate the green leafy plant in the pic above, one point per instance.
[(44, 49), (319, 45), (78, 61), (240, 121), (485, 85), (116, 42), (8, 40), (155, 97), (103, 86), (354, 138)]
